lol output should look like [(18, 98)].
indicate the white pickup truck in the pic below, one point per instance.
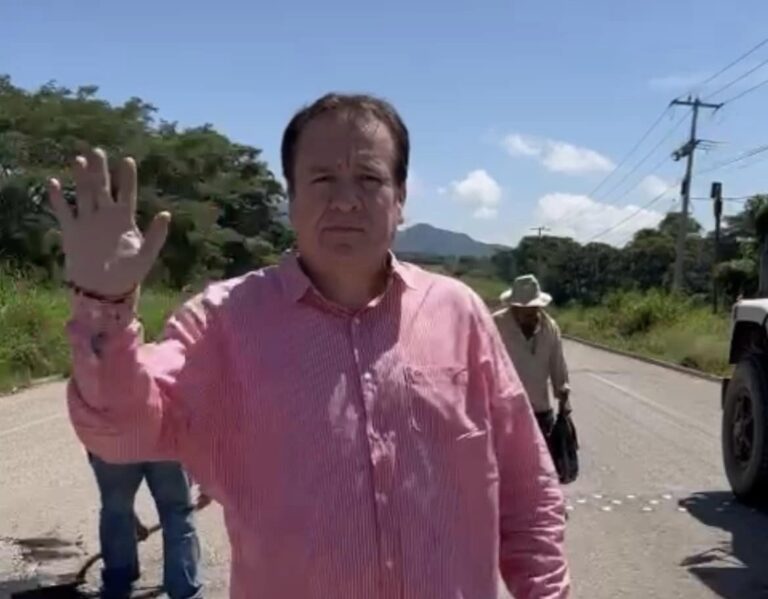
[(745, 404)]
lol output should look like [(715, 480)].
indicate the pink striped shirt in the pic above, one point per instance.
[(384, 454)]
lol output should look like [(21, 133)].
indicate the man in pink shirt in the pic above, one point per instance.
[(357, 417)]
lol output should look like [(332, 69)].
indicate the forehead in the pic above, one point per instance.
[(337, 137)]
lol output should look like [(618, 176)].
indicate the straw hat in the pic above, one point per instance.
[(526, 293)]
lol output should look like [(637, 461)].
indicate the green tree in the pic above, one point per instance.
[(223, 196)]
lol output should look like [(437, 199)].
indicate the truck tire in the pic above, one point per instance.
[(745, 430)]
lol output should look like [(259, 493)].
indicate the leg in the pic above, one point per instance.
[(170, 488), (118, 484)]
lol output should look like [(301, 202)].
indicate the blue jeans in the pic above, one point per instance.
[(169, 485)]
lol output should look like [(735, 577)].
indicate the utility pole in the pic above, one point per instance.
[(538, 249), (686, 151), (716, 194)]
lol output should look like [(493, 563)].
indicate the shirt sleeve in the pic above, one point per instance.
[(531, 504), (558, 369), (132, 401)]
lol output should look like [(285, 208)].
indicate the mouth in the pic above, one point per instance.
[(343, 229)]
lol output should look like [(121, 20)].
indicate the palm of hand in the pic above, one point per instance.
[(105, 252)]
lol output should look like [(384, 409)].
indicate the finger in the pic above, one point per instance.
[(83, 191), (126, 181), (98, 178), (59, 205), (154, 239)]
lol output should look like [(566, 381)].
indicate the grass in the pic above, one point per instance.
[(32, 318), (676, 329), (657, 325), (487, 287)]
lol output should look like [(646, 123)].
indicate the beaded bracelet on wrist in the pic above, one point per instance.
[(107, 299)]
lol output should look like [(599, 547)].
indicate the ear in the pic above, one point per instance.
[(402, 194)]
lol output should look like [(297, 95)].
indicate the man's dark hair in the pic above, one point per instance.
[(354, 105)]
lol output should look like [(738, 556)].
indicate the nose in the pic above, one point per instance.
[(345, 196)]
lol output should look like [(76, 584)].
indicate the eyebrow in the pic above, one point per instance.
[(370, 165)]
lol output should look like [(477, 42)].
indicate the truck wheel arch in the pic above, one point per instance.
[(747, 338)]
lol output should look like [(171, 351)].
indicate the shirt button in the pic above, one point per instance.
[(356, 321), (367, 377)]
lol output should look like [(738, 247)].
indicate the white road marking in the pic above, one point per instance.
[(17, 429), (680, 419)]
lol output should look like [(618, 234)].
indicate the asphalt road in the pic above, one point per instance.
[(650, 515)]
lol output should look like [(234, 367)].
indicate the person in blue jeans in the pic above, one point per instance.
[(170, 488)]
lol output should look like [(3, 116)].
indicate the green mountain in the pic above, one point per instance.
[(424, 239)]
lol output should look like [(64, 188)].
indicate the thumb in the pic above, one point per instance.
[(154, 239)]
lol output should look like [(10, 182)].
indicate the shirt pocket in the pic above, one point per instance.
[(437, 400), (450, 430)]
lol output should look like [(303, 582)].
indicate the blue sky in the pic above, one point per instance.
[(517, 109)]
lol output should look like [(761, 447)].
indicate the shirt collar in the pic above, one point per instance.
[(296, 283)]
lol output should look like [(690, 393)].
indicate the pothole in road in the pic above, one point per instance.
[(40, 567)]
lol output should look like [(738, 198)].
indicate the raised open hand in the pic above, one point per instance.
[(104, 250)]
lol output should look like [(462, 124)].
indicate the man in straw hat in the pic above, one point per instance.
[(533, 341)]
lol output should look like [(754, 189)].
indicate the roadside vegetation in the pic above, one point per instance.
[(680, 330), (655, 324), (34, 313), (33, 316)]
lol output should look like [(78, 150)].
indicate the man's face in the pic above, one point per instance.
[(527, 318), (345, 206)]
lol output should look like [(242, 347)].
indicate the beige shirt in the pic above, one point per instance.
[(538, 360)]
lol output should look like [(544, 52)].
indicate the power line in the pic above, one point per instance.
[(732, 199), (749, 164), (745, 92), (744, 156), (645, 158), (639, 181), (640, 210), (653, 126), (739, 78), (629, 154), (733, 63)]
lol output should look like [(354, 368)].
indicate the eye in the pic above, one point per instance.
[(321, 179), (372, 179)]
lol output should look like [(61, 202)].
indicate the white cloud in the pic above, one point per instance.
[(557, 156), (480, 190), (582, 218), (520, 145), (654, 186), (563, 157), (485, 213)]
